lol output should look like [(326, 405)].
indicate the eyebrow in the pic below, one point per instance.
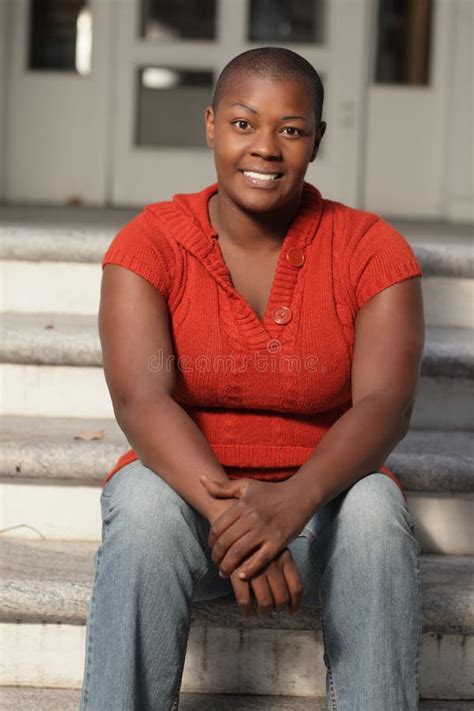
[(254, 111)]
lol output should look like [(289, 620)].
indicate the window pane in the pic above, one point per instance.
[(178, 19), (60, 35), (171, 105), (287, 21), (403, 41)]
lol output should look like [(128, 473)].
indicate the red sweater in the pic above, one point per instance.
[(263, 393)]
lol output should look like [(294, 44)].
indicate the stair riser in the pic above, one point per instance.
[(444, 404), (446, 301), (68, 391), (444, 523), (75, 288), (49, 287), (288, 661)]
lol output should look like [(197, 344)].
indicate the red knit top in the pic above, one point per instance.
[(263, 393)]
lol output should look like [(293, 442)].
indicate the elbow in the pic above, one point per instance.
[(406, 418), (403, 418), (127, 409), (122, 414), (400, 412)]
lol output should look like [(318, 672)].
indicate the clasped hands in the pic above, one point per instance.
[(249, 542)]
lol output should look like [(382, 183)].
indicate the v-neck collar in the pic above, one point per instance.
[(194, 231)]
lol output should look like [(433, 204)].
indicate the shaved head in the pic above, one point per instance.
[(273, 63)]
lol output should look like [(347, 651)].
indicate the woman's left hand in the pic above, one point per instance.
[(264, 519)]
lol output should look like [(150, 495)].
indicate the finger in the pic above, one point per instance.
[(279, 586), (222, 489), (222, 523), (294, 583), (238, 552), (263, 594), (243, 596), (254, 564), (232, 537)]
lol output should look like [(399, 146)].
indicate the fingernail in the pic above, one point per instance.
[(222, 575), (242, 576)]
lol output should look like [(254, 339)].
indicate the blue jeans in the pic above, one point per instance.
[(358, 560)]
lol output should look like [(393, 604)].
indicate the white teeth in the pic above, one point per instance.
[(260, 176)]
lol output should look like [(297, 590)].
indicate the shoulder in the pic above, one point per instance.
[(369, 253), (364, 233), (349, 221), (143, 246), (141, 240)]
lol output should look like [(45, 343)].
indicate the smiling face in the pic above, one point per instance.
[(263, 134)]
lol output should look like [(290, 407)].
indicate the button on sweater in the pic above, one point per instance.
[(263, 391)]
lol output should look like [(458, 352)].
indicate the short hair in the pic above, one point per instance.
[(272, 63)]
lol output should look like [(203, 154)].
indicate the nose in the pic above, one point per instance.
[(265, 145)]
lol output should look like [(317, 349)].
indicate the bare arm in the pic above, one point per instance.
[(385, 369), (134, 332)]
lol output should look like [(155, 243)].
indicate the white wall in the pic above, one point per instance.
[(459, 184), (419, 141), (3, 82)]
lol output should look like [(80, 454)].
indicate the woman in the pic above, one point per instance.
[(262, 347)]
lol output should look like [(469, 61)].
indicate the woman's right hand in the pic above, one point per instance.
[(276, 587)]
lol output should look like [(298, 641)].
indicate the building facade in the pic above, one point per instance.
[(102, 100)]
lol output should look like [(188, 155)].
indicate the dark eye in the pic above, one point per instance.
[(294, 131), (241, 123)]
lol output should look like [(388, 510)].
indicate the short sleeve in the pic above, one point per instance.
[(142, 247), (378, 257)]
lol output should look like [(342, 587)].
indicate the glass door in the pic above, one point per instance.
[(168, 55)]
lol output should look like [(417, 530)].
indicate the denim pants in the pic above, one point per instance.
[(358, 561)]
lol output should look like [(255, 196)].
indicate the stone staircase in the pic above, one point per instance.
[(59, 438)]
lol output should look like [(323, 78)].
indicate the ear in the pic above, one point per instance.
[(210, 126), (320, 131)]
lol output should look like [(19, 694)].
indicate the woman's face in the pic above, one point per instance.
[(263, 134)]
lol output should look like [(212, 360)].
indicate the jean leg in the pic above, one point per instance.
[(371, 599), (152, 554)]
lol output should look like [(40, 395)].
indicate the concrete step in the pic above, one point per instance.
[(81, 234), (41, 449), (50, 480), (45, 597), (58, 252), (76, 286), (58, 341), (30, 699)]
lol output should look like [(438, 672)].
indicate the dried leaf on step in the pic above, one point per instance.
[(90, 435)]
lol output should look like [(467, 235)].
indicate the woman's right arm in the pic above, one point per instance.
[(134, 328)]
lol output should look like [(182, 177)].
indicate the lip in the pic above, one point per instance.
[(256, 183)]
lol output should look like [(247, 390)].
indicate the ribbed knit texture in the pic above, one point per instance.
[(263, 393)]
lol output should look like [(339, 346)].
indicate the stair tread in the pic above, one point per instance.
[(448, 351), (59, 234), (50, 581), (47, 699), (73, 339), (42, 448), (72, 234)]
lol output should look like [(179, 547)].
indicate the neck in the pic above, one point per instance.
[(252, 231)]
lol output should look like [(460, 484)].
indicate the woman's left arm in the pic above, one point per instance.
[(388, 350)]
